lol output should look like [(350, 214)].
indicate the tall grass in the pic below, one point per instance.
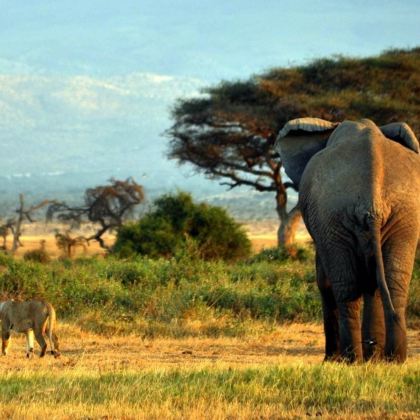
[(167, 291), (163, 296)]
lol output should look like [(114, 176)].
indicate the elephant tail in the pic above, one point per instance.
[(380, 270)]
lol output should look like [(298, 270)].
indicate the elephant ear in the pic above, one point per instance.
[(401, 133), (299, 140)]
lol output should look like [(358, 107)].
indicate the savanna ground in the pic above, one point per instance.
[(273, 375), (213, 347)]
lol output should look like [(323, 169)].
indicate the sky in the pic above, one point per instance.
[(86, 86)]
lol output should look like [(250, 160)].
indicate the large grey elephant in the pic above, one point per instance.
[(359, 194)]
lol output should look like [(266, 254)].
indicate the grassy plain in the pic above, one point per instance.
[(272, 375), (190, 339)]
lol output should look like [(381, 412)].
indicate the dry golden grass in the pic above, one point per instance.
[(263, 234), (287, 344), (34, 233), (92, 352), (31, 242), (108, 377)]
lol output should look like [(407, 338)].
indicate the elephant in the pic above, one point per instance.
[(359, 195)]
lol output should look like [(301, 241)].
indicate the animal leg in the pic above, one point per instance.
[(29, 344), (373, 326), (41, 341), (56, 347), (54, 344), (5, 335), (330, 313), (398, 256), (5, 343), (350, 331), (342, 272)]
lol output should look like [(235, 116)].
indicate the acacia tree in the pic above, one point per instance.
[(229, 135), (229, 132), (105, 205)]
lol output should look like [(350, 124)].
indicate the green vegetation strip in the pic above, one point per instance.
[(327, 388), (160, 297)]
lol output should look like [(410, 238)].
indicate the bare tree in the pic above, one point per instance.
[(14, 225), (105, 205)]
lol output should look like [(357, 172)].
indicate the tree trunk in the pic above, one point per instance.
[(289, 224), (289, 221), (17, 228), (68, 251)]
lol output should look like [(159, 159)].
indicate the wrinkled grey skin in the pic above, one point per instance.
[(359, 193)]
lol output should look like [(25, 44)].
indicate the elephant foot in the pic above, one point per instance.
[(372, 351), (332, 358)]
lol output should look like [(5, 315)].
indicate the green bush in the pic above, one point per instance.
[(38, 255), (153, 236), (175, 224), (281, 254)]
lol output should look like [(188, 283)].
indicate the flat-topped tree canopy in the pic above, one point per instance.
[(229, 132)]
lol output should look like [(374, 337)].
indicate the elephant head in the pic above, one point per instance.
[(302, 138)]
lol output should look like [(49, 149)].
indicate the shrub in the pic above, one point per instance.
[(279, 254), (38, 255), (153, 236), (174, 222)]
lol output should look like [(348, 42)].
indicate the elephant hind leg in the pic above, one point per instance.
[(398, 256), (330, 313), (373, 326), (350, 331), (396, 336), (345, 275), (396, 342)]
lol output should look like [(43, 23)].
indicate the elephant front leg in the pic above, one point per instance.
[(350, 331), (373, 326)]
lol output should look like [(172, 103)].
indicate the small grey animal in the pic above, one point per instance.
[(33, 317)]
